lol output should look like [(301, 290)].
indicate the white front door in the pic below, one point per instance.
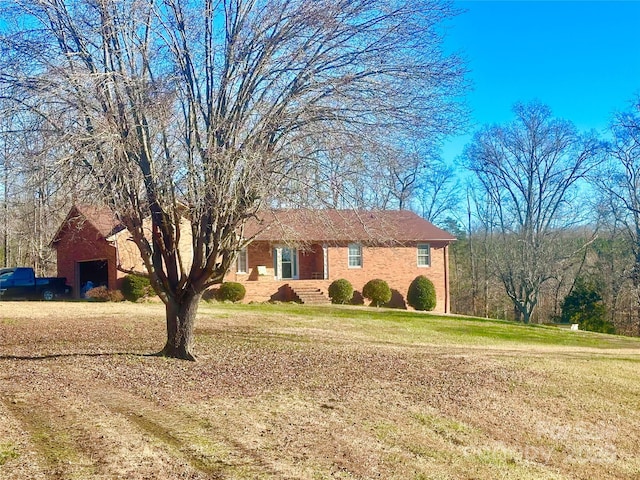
[(285, 263)]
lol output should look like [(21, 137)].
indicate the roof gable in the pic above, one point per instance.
[(99, 218)]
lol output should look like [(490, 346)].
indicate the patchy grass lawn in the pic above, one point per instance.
[(293, 392)]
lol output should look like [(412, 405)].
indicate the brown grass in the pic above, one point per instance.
[(279, 394)]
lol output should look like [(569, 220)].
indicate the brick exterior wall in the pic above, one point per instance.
[(398, 266), (80, 242), (128, 255)]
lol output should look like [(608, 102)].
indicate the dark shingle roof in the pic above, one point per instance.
[(305, 225), (379, 227)]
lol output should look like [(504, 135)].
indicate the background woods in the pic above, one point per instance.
[(211, 110), (231, 106)]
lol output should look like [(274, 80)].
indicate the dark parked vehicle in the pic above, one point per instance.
[(21, 283)]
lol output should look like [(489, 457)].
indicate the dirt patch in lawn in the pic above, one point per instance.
[(284, 397)]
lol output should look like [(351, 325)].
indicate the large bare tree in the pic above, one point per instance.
[(529, 172), (620, 180), (200, 110)]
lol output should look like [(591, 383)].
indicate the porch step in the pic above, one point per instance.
[(310, 295)]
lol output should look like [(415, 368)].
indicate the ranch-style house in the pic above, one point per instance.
[(293, 255)]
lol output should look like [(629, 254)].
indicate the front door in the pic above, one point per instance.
[(285, 261)]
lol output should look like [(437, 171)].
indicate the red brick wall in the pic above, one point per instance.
[(82, 242), (259, 253), (398, 266)]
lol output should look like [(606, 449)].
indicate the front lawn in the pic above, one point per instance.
[(288, 391)]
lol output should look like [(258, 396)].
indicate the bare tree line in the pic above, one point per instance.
[(549, 206), (212, 110)]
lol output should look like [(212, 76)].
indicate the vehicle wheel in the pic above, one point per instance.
[(48, 295)]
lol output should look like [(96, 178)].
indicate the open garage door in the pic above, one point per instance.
[(91, 274)]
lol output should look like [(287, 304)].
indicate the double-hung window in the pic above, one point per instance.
[(355, 255), (242, 264), (424, 255)]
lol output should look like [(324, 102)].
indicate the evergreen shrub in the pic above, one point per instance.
[(422, 294), (231, 292), (135, 287), (340, 291), (377, 291), (584, 306)]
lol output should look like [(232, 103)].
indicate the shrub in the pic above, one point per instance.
[(102, 294), (584, 306), (422, 294), (135, 287), (340, 291), (377, 291), (231, 291)]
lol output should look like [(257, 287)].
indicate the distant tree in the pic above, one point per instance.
[(403, 171), (584, 306), (207, 110), (529, 172), (34, 198), (620, 181), (438, 193)]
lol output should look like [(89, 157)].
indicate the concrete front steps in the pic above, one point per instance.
[(309, 294)]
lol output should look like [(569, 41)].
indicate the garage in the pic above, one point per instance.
[(86, 255), (92, 273)]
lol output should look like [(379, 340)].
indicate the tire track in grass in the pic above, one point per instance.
[(193, 440), (171, 440), (189, 439), (79, 436), (81, 426), (197, 441), (57, 452), (18, 458)]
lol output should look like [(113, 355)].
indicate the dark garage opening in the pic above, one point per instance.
[(94, 273)]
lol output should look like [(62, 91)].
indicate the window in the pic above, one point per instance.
[(424, 255), (355, 255), (242, 263)]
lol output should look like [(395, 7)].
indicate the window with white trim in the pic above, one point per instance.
[(355, 255), (242, 262), (424, 255)]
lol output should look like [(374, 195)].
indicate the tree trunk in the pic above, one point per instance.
[(181, 318)]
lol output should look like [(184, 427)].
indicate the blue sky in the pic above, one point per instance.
[(581, 58)]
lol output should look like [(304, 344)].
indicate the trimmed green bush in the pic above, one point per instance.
[(340, 291), (422, 294), (135, 287), (377, 291), (231, 292)]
